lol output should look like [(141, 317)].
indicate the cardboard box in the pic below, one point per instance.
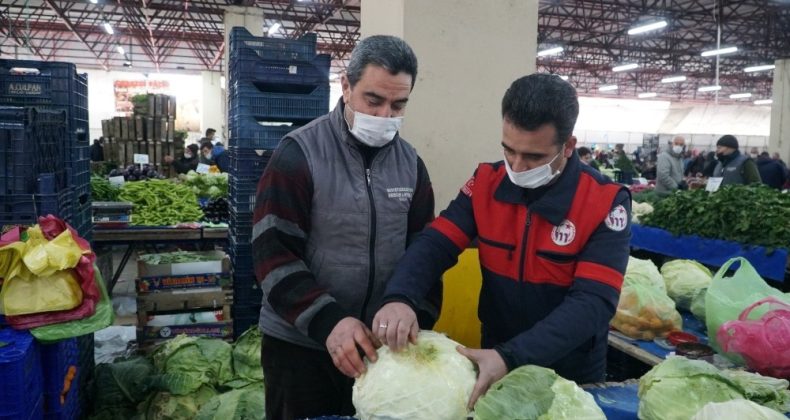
[(150, 284), (222, 329), (221, 265)]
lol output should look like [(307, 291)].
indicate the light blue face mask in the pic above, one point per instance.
[(535, 177)]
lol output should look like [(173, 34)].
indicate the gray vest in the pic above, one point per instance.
[(732, 172), (359, 219)]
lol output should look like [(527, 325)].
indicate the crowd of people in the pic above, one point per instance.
[(674, 164)]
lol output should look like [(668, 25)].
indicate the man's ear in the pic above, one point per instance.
[(570, 146)]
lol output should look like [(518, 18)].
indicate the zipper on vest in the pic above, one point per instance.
[(524, 247), (372, 247)]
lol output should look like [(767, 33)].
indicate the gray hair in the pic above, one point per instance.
[(389, 52)]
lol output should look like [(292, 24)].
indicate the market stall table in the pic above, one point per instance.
[(648, 351), (771, 264), (131, 237)]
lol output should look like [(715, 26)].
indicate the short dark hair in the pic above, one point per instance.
[(538, 99), (210, 131), (206, 145), (389, 52), (764, 154), (583, 151)]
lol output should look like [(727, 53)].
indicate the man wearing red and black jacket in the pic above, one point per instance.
[(337, 205), (553, 238)]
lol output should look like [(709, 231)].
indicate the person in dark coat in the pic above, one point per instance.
[(187, 162), (771, 172), (97, 150)]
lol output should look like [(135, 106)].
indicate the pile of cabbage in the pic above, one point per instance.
[(679, 388), (432, 381), (185, 378)]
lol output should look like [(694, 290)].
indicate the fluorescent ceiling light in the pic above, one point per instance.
[(764, 102), (108, 28), (709, 88), (740, 95), (333, 76), (759, 68), (647, 95), (719, 51), (563, 77), (625, 67), (95, 1), (606, 88), (673, 79), (120, 50), (274, 28), (551, 51), (648, 27)]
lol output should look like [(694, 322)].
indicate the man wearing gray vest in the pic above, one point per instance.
[(337, 205), (734, 167)]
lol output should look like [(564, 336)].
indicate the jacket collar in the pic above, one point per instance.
[(555, 203)]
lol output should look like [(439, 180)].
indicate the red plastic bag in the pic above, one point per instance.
[(764, 343), (51, 227)]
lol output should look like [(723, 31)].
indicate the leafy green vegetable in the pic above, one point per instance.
[(211, 185), (429, 380), (175, 257), (737, 410), (247, 359), (161, 203), (678, 388), (187, 363), (167, 406), (245, 403), (748, 214), (533, 392), (120, 386), (685, 280), (102, 190)]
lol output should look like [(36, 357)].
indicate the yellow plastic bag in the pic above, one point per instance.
[(43, 258), (11, 264), (57, 292)]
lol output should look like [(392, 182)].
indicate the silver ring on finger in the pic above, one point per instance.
[(382, 325)]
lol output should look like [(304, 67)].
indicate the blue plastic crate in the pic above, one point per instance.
[(24, 209), (248, 163), (72, 404), (56, 359), (51, 84), (21, 382), (244, 44), (248, 132), (285, 73), (267, 101)]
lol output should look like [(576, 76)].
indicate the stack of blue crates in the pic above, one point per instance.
[(61, 397), (275, 86), (21, 377), (57, 86), (32, 179)]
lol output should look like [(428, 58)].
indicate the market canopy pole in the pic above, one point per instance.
[(779, 140), (469, 52)]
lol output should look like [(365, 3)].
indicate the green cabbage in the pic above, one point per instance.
[(118, 387), (678, 388), (737, 410), (187, 363), (168, 406), (533, 392), (685, 279), (429, 380), (643, 272), (247, 359), (698, 305), (245, 403)]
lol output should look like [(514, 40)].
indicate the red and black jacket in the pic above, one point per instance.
[(552, 261)]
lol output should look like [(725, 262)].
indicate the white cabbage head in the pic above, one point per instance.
[(429, 380)]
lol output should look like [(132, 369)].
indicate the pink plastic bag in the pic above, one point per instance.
[(764, 343)]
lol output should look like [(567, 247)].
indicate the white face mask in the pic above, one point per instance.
[(677, 149), (374, 131), (532, 178), (188, 155)]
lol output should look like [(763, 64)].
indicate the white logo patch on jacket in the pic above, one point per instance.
[(563, 234), (617, 220)]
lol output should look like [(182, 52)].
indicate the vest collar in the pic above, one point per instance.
[(555, 203)]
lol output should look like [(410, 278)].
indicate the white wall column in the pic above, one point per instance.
[(779, 141), (469, 51)]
